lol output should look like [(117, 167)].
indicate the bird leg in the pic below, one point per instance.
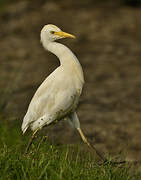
[(90, 145), (30, 141)]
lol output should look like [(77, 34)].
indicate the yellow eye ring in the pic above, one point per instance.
[(52, 32)]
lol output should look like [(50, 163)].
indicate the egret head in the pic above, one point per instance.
[(51, 33)]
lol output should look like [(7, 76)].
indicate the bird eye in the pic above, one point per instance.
[(52, 32)]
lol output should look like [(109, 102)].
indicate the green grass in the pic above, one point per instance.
[(51, 162)]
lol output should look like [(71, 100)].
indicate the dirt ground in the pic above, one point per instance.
[(108, 46)]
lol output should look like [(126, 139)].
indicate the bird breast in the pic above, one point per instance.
[(59, 92)]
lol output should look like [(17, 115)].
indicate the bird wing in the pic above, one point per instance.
[(54, 98)]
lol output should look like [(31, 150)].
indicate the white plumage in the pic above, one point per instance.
[(58, 95)]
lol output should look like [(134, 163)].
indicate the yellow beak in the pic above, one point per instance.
[(64, 34)]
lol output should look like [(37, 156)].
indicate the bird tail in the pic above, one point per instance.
[(25, 123), (24, 127)]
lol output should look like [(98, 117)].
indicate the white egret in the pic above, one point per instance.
[(58, 95)]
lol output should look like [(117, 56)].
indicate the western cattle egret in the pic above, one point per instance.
[(58, 95)]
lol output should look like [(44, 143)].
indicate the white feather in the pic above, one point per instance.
[(58, 95), (73, 120)]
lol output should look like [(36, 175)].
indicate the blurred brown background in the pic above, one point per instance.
[(108, 46)]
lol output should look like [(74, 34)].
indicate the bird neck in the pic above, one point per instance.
[(61, 51), (67, 59)]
